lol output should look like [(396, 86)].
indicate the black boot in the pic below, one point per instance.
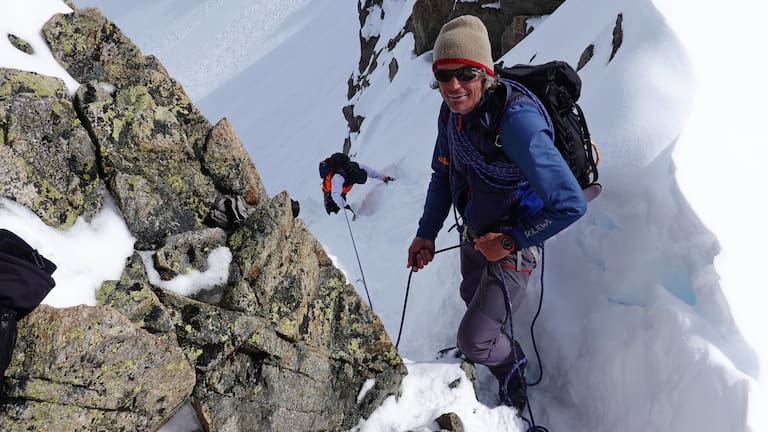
[(512, 387), (7, 343)]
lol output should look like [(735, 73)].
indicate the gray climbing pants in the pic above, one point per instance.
[(483, 335)]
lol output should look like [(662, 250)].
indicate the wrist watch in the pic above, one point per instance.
[(506, 242)]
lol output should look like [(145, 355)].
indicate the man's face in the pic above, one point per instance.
[(460, 96)]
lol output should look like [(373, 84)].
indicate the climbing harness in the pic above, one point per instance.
[(365, 285)]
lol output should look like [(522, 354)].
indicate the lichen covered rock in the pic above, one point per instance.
[(47, 161), (89, 368)]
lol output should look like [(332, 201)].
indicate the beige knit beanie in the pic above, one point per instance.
[(463, 40)]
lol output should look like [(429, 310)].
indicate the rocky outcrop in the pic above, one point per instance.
[(227, 163), (450, 422), (368, 9), (289, 345), (353, 121), (47, 161), (147, 162), (187, 251), (138, 116), (505, 23), (585, 57), (89, 368), (283, 344), (618, 36), (20, 44)]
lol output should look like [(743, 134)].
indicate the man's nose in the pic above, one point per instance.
[(454, 82)]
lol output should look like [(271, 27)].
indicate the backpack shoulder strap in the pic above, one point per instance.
[(519, 92), (514, 93)]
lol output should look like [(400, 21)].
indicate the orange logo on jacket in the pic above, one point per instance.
[(443, 160)]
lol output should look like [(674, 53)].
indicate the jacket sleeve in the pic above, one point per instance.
[(438, 202), (337, 183), (527, 140), (372, 172)]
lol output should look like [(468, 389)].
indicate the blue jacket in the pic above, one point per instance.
[(540, 199)]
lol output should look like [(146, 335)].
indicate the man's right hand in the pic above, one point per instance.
[(420, 253)]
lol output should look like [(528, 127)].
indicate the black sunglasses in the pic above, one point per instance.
[(466, 73)]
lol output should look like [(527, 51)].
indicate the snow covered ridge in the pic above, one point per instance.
[(282, 334)]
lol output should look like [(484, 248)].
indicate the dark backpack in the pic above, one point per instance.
[(25, 280), (334, 162), (342, 164), (25, 275), (557, 85)]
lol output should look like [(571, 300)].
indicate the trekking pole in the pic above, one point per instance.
[(358, 260), (408, 289)]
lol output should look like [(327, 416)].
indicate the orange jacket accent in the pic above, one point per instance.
[(327, 184)]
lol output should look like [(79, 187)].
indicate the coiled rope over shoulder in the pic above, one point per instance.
[(499, 172)]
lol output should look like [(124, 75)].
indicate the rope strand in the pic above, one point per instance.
[(518, 363), (370, 303), (533, 322), (408, 290), (405, 304)]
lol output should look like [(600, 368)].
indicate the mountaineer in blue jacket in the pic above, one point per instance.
[(496, 163)]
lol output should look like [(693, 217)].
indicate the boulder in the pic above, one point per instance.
[(47, 161), (90, 368)]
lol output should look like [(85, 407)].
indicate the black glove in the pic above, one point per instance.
[(330, 206), (354, 215), (388, 179)]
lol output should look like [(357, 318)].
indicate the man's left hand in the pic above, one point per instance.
[(490, 246)]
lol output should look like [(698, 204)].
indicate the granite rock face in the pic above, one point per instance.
[(90, 368), (47, 161), (283, 343)]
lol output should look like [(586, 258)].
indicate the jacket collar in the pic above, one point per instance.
[(487, 114)]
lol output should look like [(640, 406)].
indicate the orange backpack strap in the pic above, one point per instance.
[(327, 184)]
